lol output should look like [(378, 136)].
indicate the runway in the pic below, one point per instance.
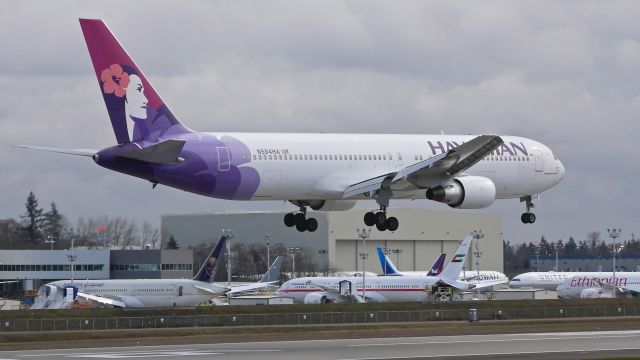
[(574, 345)]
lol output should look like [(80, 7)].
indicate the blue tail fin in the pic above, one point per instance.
[(388, 268), (437, 266), (207, 272)]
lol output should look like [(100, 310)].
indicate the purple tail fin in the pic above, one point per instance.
[(437, 266), (207, 272), (136, 110)]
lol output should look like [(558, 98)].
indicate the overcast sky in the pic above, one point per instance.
[(565, 73)]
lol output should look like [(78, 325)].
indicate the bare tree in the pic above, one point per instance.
[(149, 236)]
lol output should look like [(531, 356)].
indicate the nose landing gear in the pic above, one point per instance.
[(528, 217)]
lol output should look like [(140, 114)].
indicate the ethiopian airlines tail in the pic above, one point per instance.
[(207, 272), (128, 95)]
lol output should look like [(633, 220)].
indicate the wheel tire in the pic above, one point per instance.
[(311, 225), (300, 220), (381, 218), (392, 223), (301, 227), (524, 218), (381, 227), (532, 218), (370, 218), (289, 220)]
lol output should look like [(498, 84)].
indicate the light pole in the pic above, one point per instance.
[(386, 252), (228, 233), (72, 260), (51, 239), (267, 241), (614, 234), (293, 251), (364, 235), (477, 234), (556, 248)]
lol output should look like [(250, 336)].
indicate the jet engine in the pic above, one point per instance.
[(327, 205), (595, 293), (465, 192), (315, 298)]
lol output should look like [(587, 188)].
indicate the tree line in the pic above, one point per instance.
[(38, 228), (517, 256)]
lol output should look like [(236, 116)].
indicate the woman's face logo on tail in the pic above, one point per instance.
[(136, 102)]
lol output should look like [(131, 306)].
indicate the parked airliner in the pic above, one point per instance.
[(313, 290), (548, 280), (325, 172), (600, 285), (133, 293), (468, 275)]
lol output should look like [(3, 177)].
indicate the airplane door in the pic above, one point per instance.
[(224, 159), (180, 290), (537, 158)]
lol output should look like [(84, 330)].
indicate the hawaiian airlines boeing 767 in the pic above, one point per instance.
[(319, 171)]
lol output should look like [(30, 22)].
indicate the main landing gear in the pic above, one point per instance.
[(300, 221), (380, 220), (528, 217)]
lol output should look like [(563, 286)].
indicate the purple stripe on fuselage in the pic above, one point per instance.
[(203, 171)]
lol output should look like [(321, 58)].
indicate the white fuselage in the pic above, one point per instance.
[(578, 285), (377, 289), (467, 275), (322, 166), (145, 293), (542, 280)]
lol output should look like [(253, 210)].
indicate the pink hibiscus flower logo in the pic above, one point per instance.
[(115, 80)]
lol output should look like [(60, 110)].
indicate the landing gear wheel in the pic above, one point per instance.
[(311, 224), (392, 224), (301, 227), (300, 220), (381, 227), (528, 218), (370, 218), (381, 218), (289, 219)]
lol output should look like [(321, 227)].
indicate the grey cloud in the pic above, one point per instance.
[(564, 73)]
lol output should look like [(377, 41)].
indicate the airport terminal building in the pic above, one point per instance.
[(335, 246)]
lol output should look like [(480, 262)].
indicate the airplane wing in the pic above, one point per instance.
[(618, 289), (447, 164), (79, 152), (102, 300), (236, 290), (325, 288)]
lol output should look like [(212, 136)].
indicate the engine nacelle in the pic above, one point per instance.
[(595, 293), (465, 192), (328, 205), (315, 298)]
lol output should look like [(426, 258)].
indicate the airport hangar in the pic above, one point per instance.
[(423, 234)]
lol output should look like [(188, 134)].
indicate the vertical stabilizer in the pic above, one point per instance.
[(388, 268), (207, 272), (452, 270), (136, 110), (273, 273), (436, 269)]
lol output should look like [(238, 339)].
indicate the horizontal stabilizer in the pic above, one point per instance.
[(166, 152), (79, 152)]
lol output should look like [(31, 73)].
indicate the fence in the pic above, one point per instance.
[(311, 318)]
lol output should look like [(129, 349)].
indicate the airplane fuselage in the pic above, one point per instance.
[(144, 293), (282, 166)]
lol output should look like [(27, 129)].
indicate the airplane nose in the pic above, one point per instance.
[(560, 169)]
